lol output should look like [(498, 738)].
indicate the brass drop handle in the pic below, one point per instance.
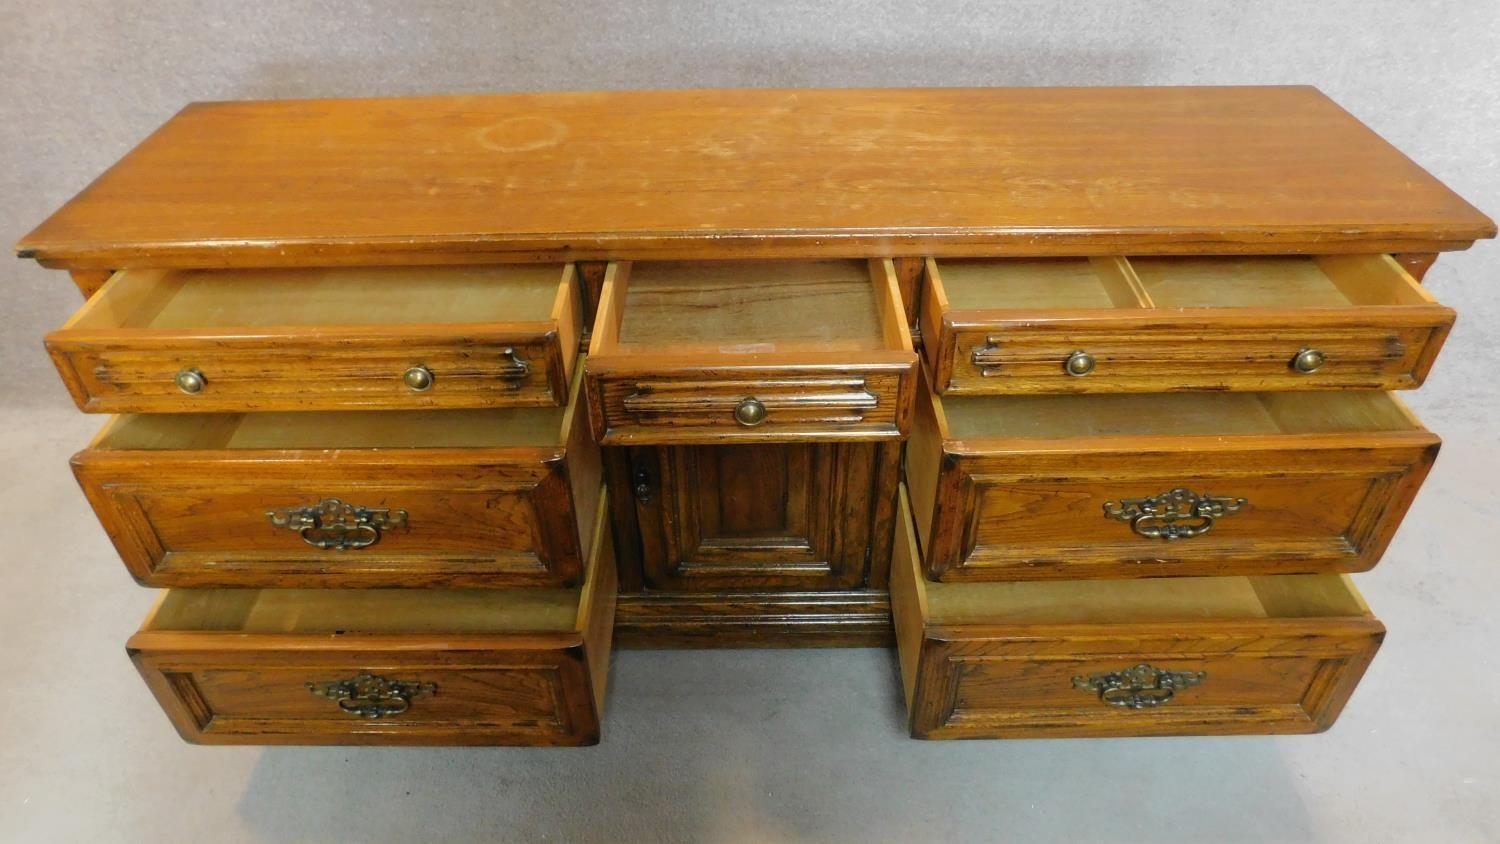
[(1141, 686), (750, 412), (1079, 364), (333, 525), (1308, 360), (372, 696), (418, 379), (190, 381), (1175, 514)]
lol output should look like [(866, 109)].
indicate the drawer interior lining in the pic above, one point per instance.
[(540, 427), (751, 306), (1281, 281), (378, 611), (1286, 282), (1141, 601), (1037, 283), (252, 298), (1173, 414)]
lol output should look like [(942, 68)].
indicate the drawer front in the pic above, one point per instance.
[(1128, 355), (702, 406), (1279, 676), (401, 517), (277, 696), (1209, 509), (399, 371), (1118, 325)]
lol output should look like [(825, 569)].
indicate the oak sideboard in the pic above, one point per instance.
[(1083, 399)]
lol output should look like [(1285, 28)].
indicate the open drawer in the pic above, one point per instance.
[(1081, 325), (323, 339), (459, 498), (336, 666), (1184, 484), (1172, 656), (690, 352)]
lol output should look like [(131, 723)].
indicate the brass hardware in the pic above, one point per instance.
[(643, 477), (372, 696), (191, 381), (333, 525), (1176, 514), (1308, 360), (986, 358), (515, 367), (1139, 687), (418, 378), (1079, 364), (811, 400), (750, 412)]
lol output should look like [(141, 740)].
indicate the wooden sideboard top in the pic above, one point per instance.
[(770, 173)]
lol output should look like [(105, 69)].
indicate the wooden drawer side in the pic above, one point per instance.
[(1258, 677)]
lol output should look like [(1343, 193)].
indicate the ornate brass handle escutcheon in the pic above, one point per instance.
[(372, 696), (1176, 514), (333, 525), (513, 367), (1140, 687)]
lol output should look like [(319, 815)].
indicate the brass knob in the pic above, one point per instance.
[(750, 412), (1079, 364), (418, 378), (191, 381), (1308, 360)]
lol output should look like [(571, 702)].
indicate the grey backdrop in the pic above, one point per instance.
[(763, 745)]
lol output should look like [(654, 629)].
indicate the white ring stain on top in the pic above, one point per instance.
[(522, 134)]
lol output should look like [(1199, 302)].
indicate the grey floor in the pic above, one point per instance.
[(745, 745)]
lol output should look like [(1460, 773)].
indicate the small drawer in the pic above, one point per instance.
[(457, 499), (394, 338), (698, 352), (335, 666), (1171, 656), (1112, 325), (1183, 484)]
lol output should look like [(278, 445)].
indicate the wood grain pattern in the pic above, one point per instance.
[(506, 684), (1193, 324), (773, 173), (262, 342), (1287, 667), (1021, 493), (704, 339), (751, 619), (788, 516), (500, 510)]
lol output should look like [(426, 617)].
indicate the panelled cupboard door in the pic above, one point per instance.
[(345, 338), (1186, 484), (1110, 325), (334, 666), (785, 516), (760, 351), (1165, 656), (456, 499)]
